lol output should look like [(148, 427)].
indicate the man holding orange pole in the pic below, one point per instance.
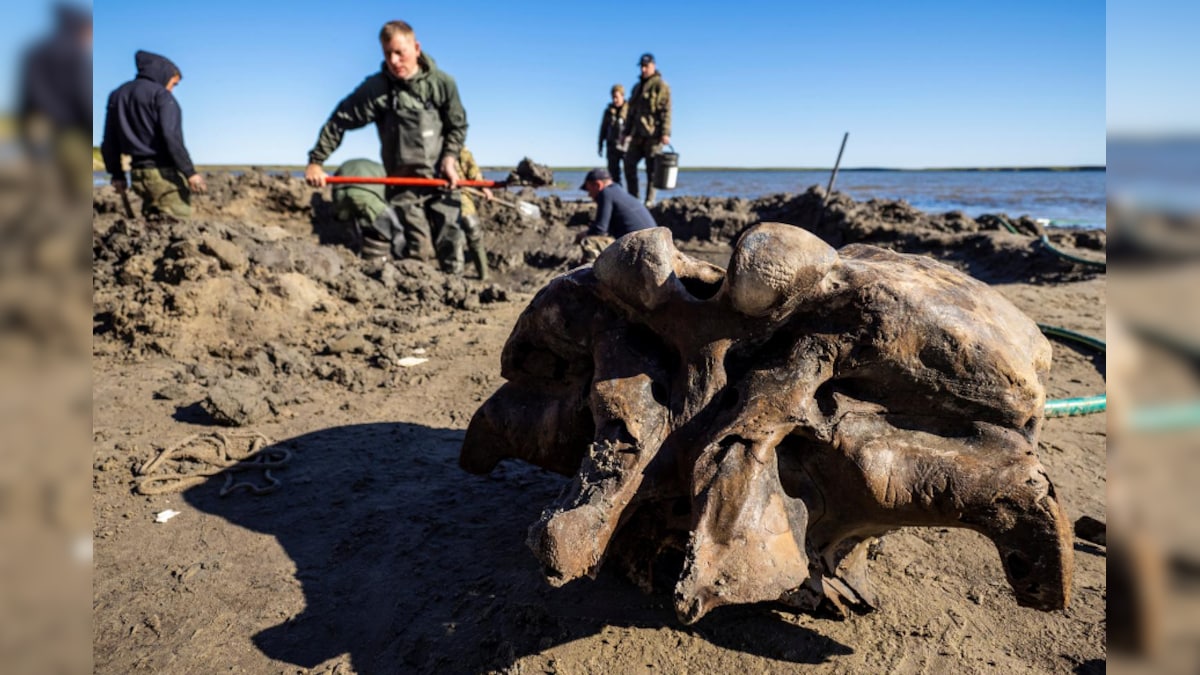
[(422, 127)]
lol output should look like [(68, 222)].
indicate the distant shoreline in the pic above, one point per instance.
[(97, 165)]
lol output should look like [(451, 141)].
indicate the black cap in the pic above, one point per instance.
[(595, 174), (646, 58)]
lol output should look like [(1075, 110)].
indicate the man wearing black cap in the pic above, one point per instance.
[(648, 126), (617, 214)]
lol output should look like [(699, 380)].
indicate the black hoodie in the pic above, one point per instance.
[(144, 121), (57, 77)]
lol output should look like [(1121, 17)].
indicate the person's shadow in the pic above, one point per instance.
[(410, 564)]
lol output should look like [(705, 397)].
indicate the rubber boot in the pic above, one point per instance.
[(481, 260), (375, 249), (650, 194)]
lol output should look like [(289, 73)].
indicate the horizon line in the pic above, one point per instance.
[(1031, 168)]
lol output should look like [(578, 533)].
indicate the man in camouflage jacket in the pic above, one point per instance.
[(648, 126), (422, 127), (469, 221), (612, 128)]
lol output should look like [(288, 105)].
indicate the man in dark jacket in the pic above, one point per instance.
[(422, 127), (648, 126), (144, 121), (617, 214), (55, 100), (612, 128)]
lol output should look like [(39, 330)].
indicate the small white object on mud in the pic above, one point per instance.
[(410, 361), (164, 516)]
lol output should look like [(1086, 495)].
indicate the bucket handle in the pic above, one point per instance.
[(672, 147)]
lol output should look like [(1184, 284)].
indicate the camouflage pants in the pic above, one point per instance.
[(61, 157), (163, 192), (641, 147), (594, 245), (615, 157), (428, 227), (72, 151)]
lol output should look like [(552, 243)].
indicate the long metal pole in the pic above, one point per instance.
[(833, 176)]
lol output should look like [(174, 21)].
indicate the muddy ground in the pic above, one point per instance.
[(375, 553)]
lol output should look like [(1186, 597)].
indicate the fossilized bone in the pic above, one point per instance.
[(770, 421)]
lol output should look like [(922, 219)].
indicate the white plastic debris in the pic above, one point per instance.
[(410, 361), (419, 350), (81, 549), (164, 516)]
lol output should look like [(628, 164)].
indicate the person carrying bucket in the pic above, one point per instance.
[(648, 125), (422, 127)]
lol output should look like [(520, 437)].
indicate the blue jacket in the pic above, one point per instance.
[(144, 121), (618, 213)]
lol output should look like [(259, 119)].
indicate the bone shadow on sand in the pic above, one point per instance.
[(407, 563)]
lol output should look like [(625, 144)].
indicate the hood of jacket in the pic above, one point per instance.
[(154, 67)]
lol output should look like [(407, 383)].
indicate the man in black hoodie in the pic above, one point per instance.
[(144, 122), (55, 100)]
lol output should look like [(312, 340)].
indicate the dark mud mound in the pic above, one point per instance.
[(983, 247), (529, 172), (265, 282)]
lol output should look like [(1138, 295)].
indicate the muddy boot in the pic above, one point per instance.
[(481, 260), (650, 194), (374, 248)]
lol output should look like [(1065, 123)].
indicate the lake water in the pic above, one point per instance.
[(1069, 198), (1064, 197)]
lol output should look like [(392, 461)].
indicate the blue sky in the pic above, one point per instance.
[(917, 84), (1152, 56)]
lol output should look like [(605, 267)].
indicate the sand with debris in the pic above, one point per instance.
[(255, 331)]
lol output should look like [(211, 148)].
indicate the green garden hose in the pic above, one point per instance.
[(1045, 241), (1080, 405), (1102, 264)]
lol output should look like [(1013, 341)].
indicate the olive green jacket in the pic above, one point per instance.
[(352, 199), (650, 108), (612, 125), (420, 121)]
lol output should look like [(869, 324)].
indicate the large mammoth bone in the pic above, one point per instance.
[(769, 421)]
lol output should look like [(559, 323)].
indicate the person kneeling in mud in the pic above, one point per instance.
[(617, 213), (469, 169), (358, 206)]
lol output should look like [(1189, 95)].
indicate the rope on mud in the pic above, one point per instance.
[(1080, 405), (1045, 242), (212, 452)]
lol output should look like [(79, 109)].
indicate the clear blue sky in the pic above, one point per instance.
[(1152, 55), (917, 84)]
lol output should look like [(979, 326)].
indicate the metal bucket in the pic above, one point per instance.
[(666, 170)]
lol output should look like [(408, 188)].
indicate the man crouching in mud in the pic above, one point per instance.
[(422, 126)]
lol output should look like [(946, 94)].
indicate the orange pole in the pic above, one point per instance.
[(410, 182)]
